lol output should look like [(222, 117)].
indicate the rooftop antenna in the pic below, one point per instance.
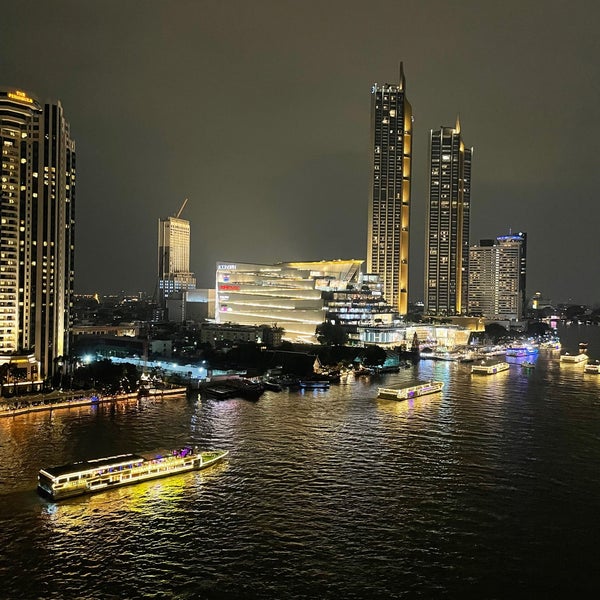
[(181, 209)]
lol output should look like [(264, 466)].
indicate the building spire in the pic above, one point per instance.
[(402, 80), (457, 127)]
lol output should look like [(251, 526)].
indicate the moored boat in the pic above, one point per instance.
[(411, 391), (234, 387), (96, 475), (314, 384), (485, 368), (593, 368), (528, 365), (272, 384)]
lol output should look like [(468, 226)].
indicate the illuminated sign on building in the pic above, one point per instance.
[(233, 288), (20, 97), (227, 267)]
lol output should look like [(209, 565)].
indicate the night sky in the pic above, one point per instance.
[(258, 112)]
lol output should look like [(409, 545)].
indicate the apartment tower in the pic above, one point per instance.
[(37, 210), (447, 223), (389, 202)]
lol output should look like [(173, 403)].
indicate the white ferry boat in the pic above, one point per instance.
[(100, 474), (489, 368), (573, 359), (593, 368), (411, 391)]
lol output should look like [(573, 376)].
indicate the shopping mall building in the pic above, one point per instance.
[(299, 296)]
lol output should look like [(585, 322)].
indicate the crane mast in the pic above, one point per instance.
[(181, 209)]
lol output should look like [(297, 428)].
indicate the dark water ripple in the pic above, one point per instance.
[(489, 490)]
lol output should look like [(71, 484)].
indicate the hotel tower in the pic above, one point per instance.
[(37, 209), (498, 277), (389, 202), (447, 223)]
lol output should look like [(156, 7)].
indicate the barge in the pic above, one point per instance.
[(573, 359), (411, 391), (490, 368)]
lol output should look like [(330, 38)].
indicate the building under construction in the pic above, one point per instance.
[(174, 256)]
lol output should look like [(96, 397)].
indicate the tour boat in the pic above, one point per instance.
[(96, 475), (528, 365), (411, 391), (593, 368), (573, 359), (490, 368)]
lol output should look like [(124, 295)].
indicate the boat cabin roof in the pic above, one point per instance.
[(89, 465), (114, 461)]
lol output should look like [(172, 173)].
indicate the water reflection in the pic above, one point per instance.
[(335, 494)]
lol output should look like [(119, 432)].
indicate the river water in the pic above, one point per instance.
[(490, 489)]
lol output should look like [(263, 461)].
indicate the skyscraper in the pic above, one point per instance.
[(498, 276), (37, 235), (174, 256), (448, 219), (389, 202)]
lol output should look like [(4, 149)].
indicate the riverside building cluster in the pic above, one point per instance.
[(463, 283)]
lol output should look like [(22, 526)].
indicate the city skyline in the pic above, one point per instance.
[(260, 115)]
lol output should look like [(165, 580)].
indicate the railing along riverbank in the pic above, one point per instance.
[(36, 404)]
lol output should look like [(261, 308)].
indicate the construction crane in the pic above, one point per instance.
[(181, 209)]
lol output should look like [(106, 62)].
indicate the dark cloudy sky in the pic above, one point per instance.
[(258, 111)]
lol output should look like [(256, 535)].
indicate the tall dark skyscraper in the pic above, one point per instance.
[(448, 219), (389, 202), (37, 209)]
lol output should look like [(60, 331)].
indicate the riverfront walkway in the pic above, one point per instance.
[(10, 407)]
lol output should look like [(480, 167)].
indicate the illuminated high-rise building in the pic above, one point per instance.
[(498, 276), (448, 220), (389, 202), (37, 235), (174, 256)]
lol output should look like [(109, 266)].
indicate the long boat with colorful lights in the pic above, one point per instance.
[(97, 475), (411, 391)]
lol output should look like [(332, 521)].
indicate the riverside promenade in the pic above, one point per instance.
[(10, 407)]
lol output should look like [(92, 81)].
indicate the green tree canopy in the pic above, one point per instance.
[(330, 334)]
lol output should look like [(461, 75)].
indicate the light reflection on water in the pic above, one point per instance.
[(491, 485)]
